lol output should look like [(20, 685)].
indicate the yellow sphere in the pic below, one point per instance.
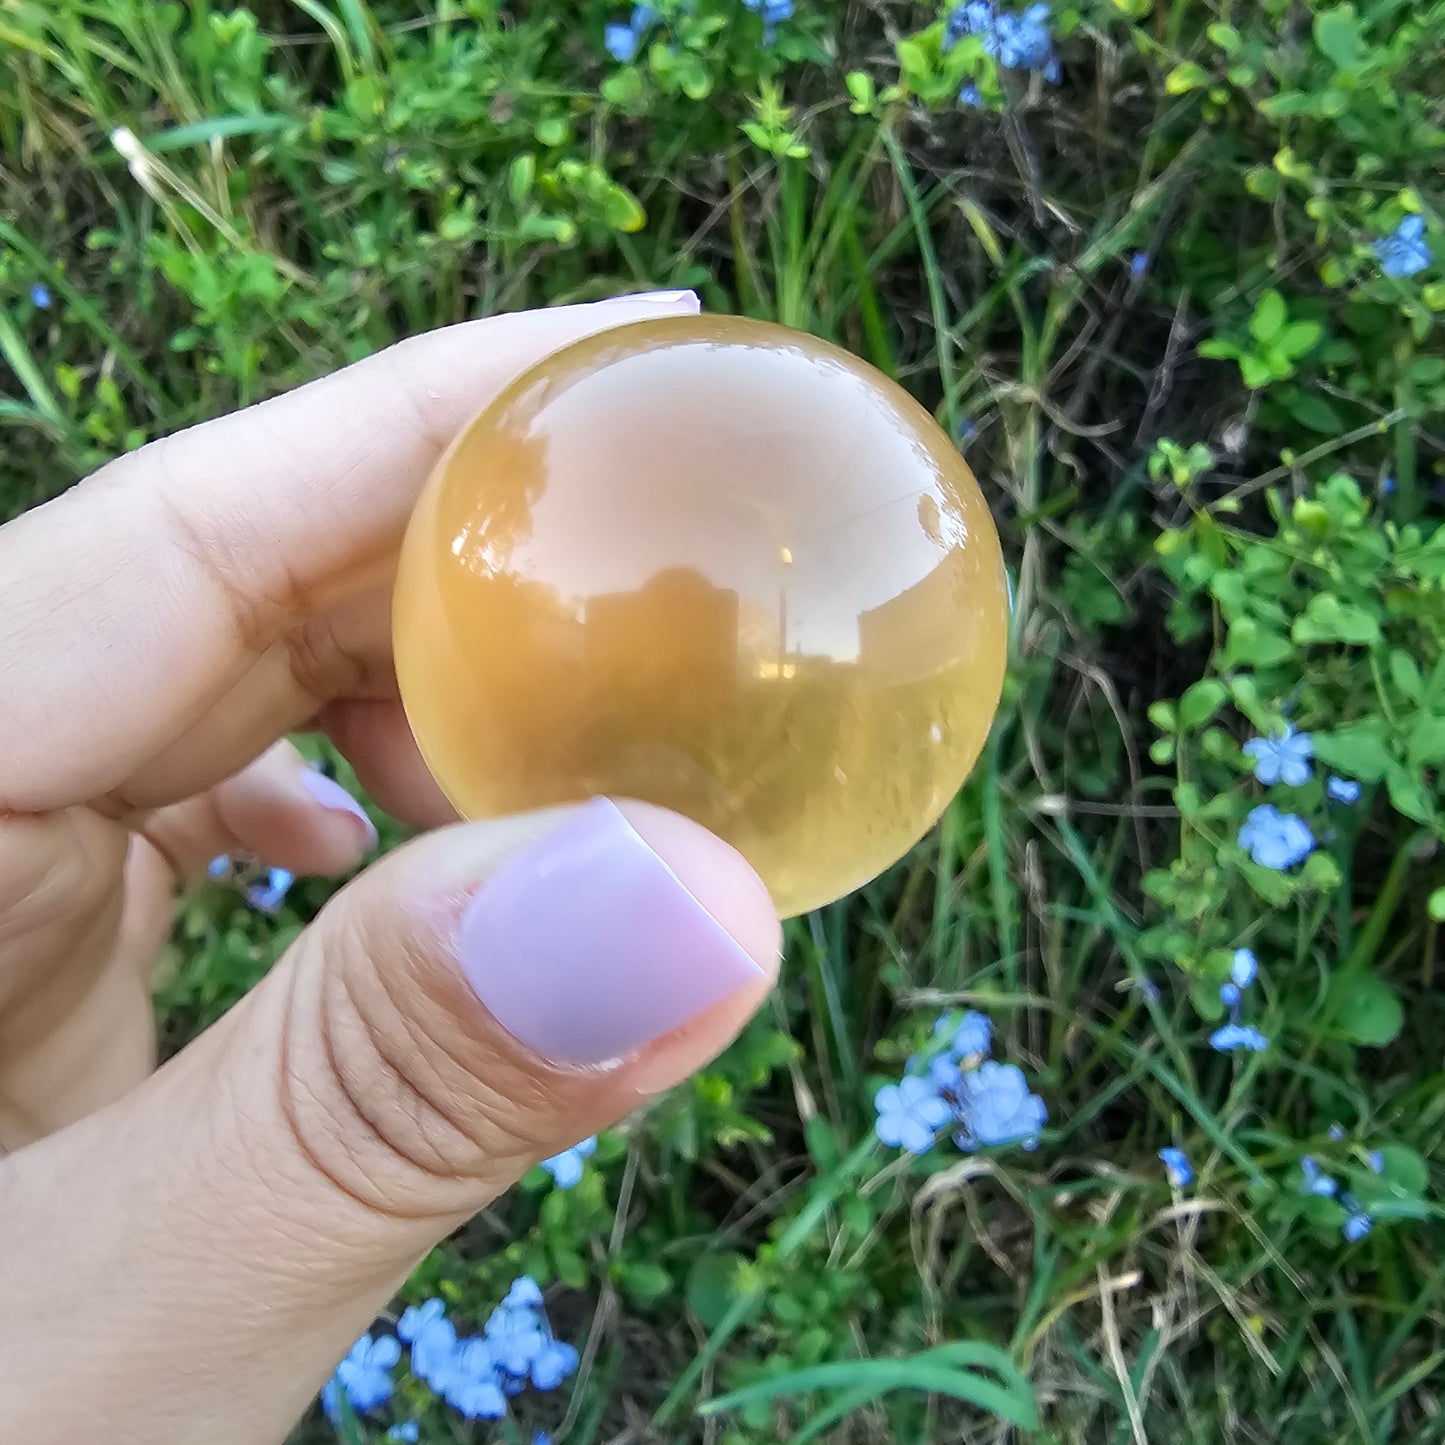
[(720, 566)]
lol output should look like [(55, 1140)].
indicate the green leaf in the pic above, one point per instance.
[(1314, 412), (1256, 372), (1426, 747), (1408, 793), (1185, 77), (1252, 645), (1299, 337), (645, 1283), (1201, 702), (1361, 750), (1327, 619), (713, 1285), (1338, 35), (1269, 317), (1405, 674), (1436, 905), (1364, 1009)]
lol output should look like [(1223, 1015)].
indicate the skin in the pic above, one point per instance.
[(187, 1253)]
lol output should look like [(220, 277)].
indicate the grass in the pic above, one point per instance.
[(318, 182)]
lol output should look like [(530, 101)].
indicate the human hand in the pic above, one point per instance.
[(188, 1254)]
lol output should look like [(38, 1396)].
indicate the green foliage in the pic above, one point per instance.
[(1208, 424)]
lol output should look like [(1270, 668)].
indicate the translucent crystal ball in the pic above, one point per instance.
[(720, 566)]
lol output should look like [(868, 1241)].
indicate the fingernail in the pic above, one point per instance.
[(586, 946), (335, 799), (682, 300)]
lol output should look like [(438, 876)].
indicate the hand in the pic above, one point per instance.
[(189, 1256)]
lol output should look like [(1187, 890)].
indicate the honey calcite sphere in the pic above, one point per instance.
[(716, 565)]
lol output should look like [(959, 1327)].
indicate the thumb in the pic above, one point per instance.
[(474, 1003)]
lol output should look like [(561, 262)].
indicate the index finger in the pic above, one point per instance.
[(142, 606)]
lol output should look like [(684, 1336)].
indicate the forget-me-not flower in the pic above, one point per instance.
[(1234, 1036), (566, 1167), (40, 297), (365, 1376), (623, 39), (1284, 759), (515, 1338), (1274, 839), (1139, 264), (972, 1034), (1405, 250), (408, 1432), (219, 867), (996, 1106), (553, 1363), (1178, 1168), (1357, 1225), (415, 1318), (774, 12), (1316, 1180), (525, 1294), (476, 1397), (910, 1114), (267, 897), (1376, 1160), (1243, 968), (1343, 790), (434, 1353)]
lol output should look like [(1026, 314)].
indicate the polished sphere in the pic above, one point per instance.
[(720, 566)]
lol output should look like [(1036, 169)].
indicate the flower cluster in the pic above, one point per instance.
[(1357, 1222), (988, 1103), (1282, 840), (622, 39), (1405, 251), (1243, 970), (1017, 42), (476, 1375), (265, 888)]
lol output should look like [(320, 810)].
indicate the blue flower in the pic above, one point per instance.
[(1026, 43), (434, 1353), (1343, 790), (268, 897), (1284, 759), (971, 1035), (944, 1074), (1148, 990), (1317, 1182), (1357, 1225), (364, 1375), (553, 1363), (1229, 993), (415, 1318), (1237, 1036), (477, 1397), (40, 297), (1139, 264), (1243, 968), (1177, 1167), (970, 96), (541, 1437), (525, 1293), (1337, 1132), (774, 12), (910, 1113), (1404, 251), (408, 1432), (1376, 1160), (623, 41), (515, 1338), (566, 1167), (1274, 839), (219, 867), (996, 1106)]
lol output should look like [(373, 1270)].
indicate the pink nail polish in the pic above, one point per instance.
[(586, 946), (335, 799)]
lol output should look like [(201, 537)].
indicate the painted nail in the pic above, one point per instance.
[(335, 799), (681, 299), (586, 946)]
